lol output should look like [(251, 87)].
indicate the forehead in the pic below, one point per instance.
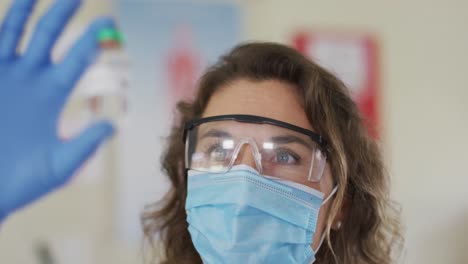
[(270, 98)]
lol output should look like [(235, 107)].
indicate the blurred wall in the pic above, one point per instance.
[(424, 112)]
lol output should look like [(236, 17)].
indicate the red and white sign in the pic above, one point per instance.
[(354, 59)]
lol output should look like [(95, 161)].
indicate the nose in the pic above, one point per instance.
[(247, 156)]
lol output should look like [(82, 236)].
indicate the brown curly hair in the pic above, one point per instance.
[(371, 230)]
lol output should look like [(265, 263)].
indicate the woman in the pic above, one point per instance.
[(253, 94), (275, 165)]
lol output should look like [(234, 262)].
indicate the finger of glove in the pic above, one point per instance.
[(83, 53), (68, 157), (13, 26), (48, 30)]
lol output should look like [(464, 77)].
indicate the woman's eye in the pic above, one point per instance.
[(284, 157), (217, 153)]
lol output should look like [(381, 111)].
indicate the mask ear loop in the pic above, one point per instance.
[(330, 195), (322, 238)]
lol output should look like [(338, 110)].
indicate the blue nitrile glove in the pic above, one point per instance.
[(33, 91)]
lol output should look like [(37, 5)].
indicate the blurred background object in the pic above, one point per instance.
[(43, 253), (419, 102), (354, 58), (170, 44)]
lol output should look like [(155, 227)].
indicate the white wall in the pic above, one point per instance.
[(423, 53)]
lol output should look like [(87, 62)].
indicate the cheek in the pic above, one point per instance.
[(326, 183)]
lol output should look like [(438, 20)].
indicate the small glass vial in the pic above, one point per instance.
[(103, 89)]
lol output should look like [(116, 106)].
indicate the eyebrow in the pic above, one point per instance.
[(216, 133), (291, 139)]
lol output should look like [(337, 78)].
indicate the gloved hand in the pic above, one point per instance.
[(33, 91)]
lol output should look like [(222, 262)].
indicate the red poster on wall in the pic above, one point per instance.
[(354, 59)]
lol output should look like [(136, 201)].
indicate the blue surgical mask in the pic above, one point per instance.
[(244, 217)]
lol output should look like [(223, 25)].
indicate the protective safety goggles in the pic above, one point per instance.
[(277, 149)]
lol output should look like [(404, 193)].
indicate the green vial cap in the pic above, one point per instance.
[(110, 34)]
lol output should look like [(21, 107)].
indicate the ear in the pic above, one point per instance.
[(340, 216)]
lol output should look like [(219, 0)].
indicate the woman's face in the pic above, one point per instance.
[(272, 99)]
